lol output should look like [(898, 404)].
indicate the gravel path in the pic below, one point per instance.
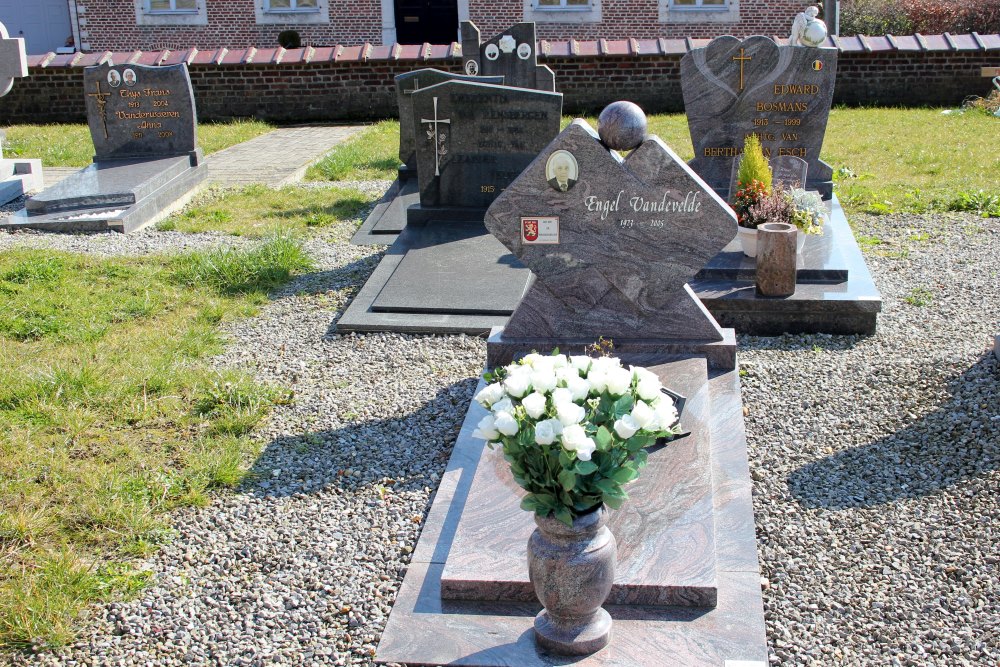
[(875, 464)]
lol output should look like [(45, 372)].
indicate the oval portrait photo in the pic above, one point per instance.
[(562, 171), (129, 76), (114, 78)]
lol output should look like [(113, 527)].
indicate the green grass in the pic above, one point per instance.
[(258, 210), (110, 416), (69, 145), (370, 154)]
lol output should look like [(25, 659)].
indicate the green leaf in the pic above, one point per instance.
[(624, 475), (603, 438), (568, 479), (564, 515), (608, 486), (585, 467), (623, 406), (529, 503), (615, 502)]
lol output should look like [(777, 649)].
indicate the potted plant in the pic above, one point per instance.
[(753, 183), (574, 431)]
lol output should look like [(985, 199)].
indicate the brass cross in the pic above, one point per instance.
[(742, 59), (437, 144), (102, 104)]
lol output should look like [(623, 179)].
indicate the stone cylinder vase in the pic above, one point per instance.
[(572, 569), (776, 257)]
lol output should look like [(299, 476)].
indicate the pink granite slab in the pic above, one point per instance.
[(665, 531)]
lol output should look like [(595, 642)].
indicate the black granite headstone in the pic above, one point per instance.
[(733, 88), (409, 83), (473, 139), (511, 54), (135, 111)]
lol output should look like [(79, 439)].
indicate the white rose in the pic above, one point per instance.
[(626, 427), (605, 364), (517, 384), (666, 412), (530, 359), (581, 363), (486, 429), (534, 404), (641, 413), (559, 361), (570, 413), (598, 380), (503, 406), (648, 389), (546, 431), (578, 387), (575, 439), (562, 395), (619, 381), (543, 379), (505, 423), (490, 394)]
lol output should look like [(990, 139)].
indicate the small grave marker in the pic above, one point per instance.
[(511, 54)]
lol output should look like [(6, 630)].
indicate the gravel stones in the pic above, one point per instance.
[(876, 467)]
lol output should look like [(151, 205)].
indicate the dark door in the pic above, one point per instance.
[(432, 21)]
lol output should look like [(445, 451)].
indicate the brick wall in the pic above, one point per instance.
[(111, 24), (349, 83)]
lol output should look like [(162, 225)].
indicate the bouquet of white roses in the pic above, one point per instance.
[(574, 429)]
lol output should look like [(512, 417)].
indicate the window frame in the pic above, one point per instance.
[(728, 12), (148, 8), (698, 6), (295, 9), (562, 13), (562, 6)]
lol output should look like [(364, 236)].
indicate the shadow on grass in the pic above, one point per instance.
[(957, 441)]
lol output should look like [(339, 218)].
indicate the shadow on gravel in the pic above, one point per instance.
[(407, 450), (800, 342), (958, 441)]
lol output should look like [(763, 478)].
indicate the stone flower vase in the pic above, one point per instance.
[(776, 259), (572, 570)]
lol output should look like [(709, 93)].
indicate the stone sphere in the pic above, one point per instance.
[(814, 33), (622, 126)]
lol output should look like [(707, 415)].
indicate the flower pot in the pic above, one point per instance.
[(748, 240), (572, 569), (776, 259)]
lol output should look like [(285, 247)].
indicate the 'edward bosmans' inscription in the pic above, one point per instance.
[(135, 111)]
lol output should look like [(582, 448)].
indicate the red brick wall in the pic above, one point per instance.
[(352, 83), (639, 19), (110, 26)]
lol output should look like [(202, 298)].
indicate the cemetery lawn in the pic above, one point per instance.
[(110, 415), (886, 160), (258, 210), (69, 145)]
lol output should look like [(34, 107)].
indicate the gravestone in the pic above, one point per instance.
[(611, 256), (17, 177), (406, 85), (611, 242), (512, 54), (144, 127), (733, 88), (445, 270)]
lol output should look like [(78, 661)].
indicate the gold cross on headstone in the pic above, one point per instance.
[(437, 142), (742, 59), (102, 106)]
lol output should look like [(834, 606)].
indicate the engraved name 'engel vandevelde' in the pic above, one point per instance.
[(640, 204)]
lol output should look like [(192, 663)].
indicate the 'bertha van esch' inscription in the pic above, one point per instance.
[(135, 111)]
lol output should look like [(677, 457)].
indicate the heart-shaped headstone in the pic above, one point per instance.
[(612, 242)]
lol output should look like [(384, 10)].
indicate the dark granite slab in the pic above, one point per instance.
[(423, 628), (388, 218), (665, 531), (511, 54), (136, 111), (160, 196), (454, 269), (733, 88)]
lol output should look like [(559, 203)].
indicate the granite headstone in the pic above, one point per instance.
[(613, 253), (409, 83), (511, 54), (733, 88), (473, 139), (143, 124)]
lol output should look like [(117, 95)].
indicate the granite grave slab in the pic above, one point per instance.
[(613, 252), (406, 85), (144, 127), (783, 94), (512, 54)]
